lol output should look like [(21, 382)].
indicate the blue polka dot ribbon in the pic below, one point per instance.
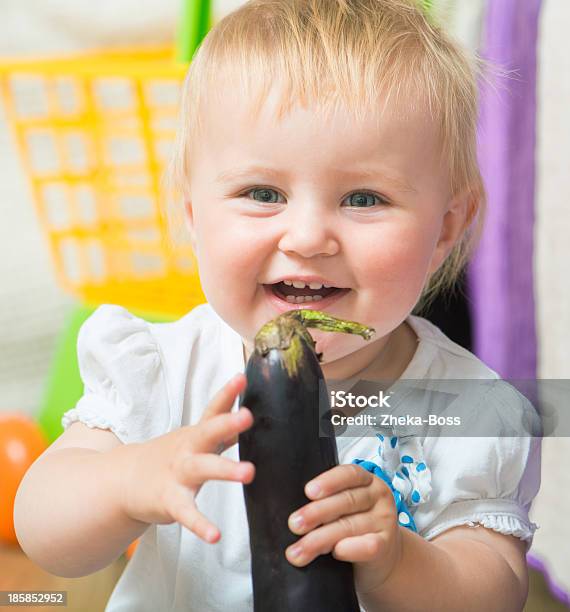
[(405, 519), (402, 459)]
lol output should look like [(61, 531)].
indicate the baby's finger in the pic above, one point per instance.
[(330, 509), (323, 539), (360, 549), (338, 479), (199, 468), (214, 432), (189, 516), (224, 399)]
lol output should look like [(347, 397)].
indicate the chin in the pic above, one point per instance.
[(331, 348)]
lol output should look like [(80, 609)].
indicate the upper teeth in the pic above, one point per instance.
[(302, 285)]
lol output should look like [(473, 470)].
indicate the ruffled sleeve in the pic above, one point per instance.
[(490, 481), (124, 383)]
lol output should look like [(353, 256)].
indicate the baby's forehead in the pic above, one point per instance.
[(275, 108), (311, 142)]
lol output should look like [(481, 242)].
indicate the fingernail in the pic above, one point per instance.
[(244, 469), (211, 534), (295, 552), (243, 415), (296, 521), (313, 489)]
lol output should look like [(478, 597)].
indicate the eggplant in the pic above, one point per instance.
[(290, 445)]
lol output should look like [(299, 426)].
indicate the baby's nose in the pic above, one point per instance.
[(308, 233)]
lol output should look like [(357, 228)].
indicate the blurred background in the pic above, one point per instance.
[(83, 143)]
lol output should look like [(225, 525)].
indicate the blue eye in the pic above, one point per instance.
[(359, 199), (364, 199), (264, 195)]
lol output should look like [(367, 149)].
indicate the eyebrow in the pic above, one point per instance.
[(239, 173)]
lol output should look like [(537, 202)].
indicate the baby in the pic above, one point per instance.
[(327, 159)]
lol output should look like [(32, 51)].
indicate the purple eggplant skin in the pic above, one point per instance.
[(287, 445)]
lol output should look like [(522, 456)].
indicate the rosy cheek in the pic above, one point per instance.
[(410, 257), (395, 273), (393, 257)]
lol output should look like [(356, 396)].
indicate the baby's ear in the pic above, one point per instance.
[(454, 223), (189, 220)]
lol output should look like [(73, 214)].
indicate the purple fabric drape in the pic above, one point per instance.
[(500, 277), (501, 274)]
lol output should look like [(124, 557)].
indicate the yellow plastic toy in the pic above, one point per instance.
[(94, 132)]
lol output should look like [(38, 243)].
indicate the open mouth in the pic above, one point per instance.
[(294, 295)]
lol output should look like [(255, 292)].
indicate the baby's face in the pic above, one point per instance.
[(359, 206)]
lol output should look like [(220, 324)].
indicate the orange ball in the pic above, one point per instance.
[(21, 443), (132, 547)]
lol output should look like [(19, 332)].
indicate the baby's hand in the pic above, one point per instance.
[(354, 517), (163, 476)]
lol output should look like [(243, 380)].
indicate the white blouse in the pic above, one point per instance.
[(145, 379)]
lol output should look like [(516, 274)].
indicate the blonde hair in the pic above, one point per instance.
[(349, 53)]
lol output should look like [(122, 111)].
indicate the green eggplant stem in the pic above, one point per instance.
[(323, 321), (286, 331)]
